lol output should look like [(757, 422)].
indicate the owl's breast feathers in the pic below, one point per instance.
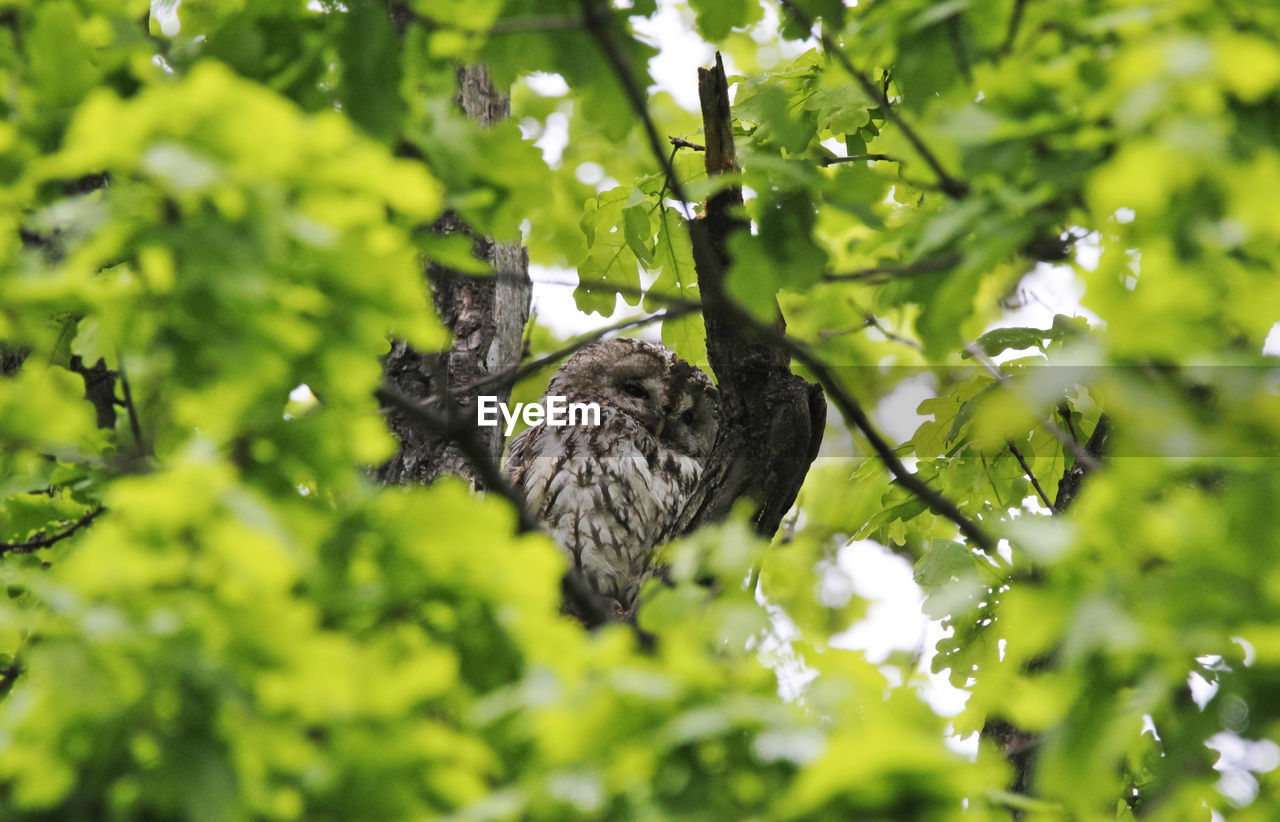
[(607, 494)]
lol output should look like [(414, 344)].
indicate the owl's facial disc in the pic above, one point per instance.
[(639, 393)]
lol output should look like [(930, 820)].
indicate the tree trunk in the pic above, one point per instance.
[(486, 317), (771, 420)]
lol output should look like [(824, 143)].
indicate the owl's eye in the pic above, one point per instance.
[(635, 389), (687, 417)]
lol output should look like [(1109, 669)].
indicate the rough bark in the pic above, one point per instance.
[(771, 420), (486, 317)]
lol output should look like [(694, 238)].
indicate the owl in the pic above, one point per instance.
[(609, 493)]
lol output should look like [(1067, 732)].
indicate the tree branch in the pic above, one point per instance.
[(134, 425), (853, 413), (598, 18), (1035, 483), (1015, 22), (1073, 479), (853, 158), (99, 389), (513, 374), (1069, 443), (41, 540), (680, 142), (951, 186), (930, 265)]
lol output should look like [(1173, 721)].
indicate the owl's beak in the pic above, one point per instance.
[(657, 431)]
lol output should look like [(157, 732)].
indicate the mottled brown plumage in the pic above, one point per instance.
[(610, 493)]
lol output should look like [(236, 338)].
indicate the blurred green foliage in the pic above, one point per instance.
[(238, 624)]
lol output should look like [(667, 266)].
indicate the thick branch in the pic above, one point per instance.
[(772, 421), (1071, 482), (99, 389)]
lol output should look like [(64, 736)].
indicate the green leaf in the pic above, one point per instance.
[(370, 85), (638, 230), (61, 63), (783, 254), (715, 18)]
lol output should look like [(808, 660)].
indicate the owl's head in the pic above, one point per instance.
[(647, 382), (692, 411)]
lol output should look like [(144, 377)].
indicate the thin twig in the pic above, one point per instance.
[(852, 411), (598, 18), (1015, 22), (41, 540), (513, 374), (1064, 411), (930, 265), (957, 46), (134, 426), (873, 322), (1049, 425), (680, 142), (953, 187), (666, 226), (1035, 483), (853, 158)]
